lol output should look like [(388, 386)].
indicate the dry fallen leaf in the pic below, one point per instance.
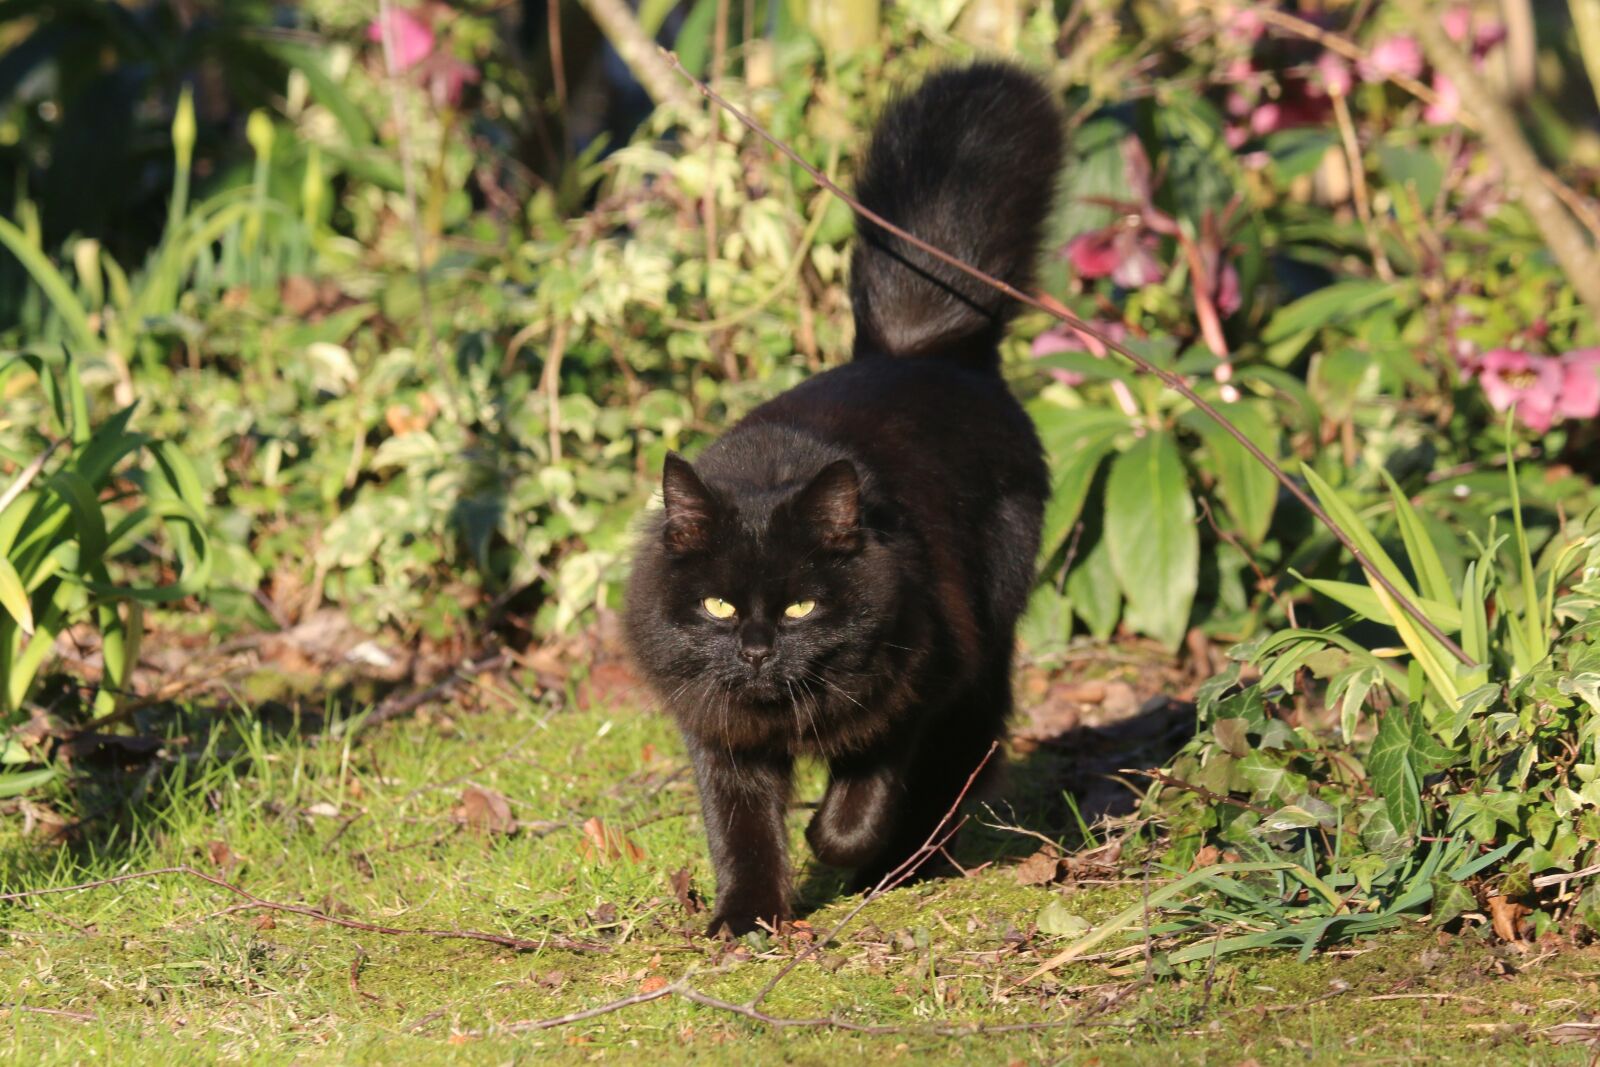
[(652, 983), (602, 842), (485, 810), (225, 859), (682, 888), (1504, 915), (1206, 857), (1039, 868)]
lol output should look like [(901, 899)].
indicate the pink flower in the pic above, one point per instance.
[(1531, 384), (1399, 54), (1580, 384), (1447, 106), (1228, 296), (447, 76), (1457, 22), (1334, 74), (411, 34), (1119, 251), (1242, 25)]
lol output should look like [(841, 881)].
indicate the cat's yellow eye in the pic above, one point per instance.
[(717, 609), (800, 609)]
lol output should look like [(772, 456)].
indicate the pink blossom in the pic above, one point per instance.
[(1580, 385), (1228, 296), (1334, 74), (1531, 384), (1119, 251), (447, 76), (1242, 25), (412, 37), (1399, 54), (1457, 22), (1447, 106)]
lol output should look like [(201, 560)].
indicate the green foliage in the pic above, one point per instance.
[(76, 540), (1476, 779)]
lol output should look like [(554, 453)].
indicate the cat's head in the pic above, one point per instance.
[(752, 594)]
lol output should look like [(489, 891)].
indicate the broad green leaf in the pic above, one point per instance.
[(1365, 601), (1326, 306), (19, 782), (1248, 490), (1394, 776), (14, 596), (1077, 441), (1425, 560), (1150, 532), (88, 521), (1092, 587)]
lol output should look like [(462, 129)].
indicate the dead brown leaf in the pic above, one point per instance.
[(485, 810), (683, 889), (653, 983), (602, 842), (1208, 856), (225, 859), (1504, 914), (1040, 868)]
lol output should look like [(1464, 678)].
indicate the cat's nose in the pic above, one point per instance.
[(755, 655)]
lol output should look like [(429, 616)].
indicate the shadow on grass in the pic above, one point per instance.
[(1063, 786)]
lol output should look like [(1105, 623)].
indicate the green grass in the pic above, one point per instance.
[(168, 974)]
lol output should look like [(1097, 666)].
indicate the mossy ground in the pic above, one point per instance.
[(167, 970)]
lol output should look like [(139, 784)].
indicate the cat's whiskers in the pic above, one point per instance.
[(832, 686)]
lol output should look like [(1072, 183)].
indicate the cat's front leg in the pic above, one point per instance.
[(861, 810), (743, 797)]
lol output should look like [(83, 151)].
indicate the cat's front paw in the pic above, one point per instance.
[(740, 914)]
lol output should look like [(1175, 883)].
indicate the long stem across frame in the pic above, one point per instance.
[(1170, 380)]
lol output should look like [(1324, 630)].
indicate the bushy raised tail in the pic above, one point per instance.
[(967, 162)]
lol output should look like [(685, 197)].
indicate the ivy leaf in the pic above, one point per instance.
[(1450, 899), (1394, 776)]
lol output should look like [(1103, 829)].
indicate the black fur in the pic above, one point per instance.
[(901, 495)]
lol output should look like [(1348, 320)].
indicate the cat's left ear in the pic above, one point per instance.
[(689, 505), (831, 506)]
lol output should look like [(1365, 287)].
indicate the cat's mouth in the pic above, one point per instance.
[(767, 691)]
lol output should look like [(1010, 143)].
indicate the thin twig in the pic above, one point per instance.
[(520, 944), (1358, 185), (1173, 381), (55, 1013)]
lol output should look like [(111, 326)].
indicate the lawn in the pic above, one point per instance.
[(575, 832)]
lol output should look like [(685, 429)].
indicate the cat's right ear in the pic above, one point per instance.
[(689, 508)]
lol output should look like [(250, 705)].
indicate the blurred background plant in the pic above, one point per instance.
[(417, 296)]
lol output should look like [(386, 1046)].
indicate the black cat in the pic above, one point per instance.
[(841, 574)]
